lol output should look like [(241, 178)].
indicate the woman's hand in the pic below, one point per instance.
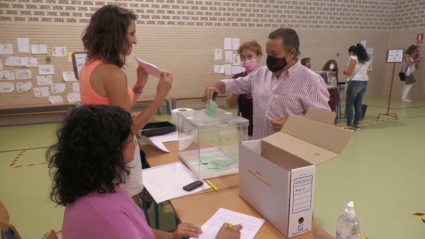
[(165, 83), (227, 233), (186, 230), (142, 76)]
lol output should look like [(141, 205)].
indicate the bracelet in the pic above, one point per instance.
[(167, 235)]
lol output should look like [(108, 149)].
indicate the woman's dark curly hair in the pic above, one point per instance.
[(88, 156), (360, 52), (105, 38)]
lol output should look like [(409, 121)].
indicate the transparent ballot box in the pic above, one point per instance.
[(210, 146)]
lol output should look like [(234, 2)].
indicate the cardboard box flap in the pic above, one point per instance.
[(290, 153), (316, 133), (319, 115)]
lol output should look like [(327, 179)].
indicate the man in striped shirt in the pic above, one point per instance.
[(284, 87)]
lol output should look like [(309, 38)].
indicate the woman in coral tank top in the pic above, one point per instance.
[(108, 39)]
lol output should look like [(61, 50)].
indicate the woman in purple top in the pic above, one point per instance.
[(88, 165), (251, 54)]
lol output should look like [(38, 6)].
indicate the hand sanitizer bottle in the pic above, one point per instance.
[(348, 226)]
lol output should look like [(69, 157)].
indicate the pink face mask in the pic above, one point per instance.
[(250, 65)]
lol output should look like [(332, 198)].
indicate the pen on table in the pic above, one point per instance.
[(231, 226), (212, 185)]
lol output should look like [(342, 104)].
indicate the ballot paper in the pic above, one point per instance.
[(158, 141), (166, 182), (250, 225), (150, 68)]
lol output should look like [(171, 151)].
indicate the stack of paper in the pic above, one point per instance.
[(166, 182), (250, 225), (215, 164)]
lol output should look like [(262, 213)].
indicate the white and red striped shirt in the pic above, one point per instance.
[(296, 90)]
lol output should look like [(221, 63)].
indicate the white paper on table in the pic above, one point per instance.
[(250, 225), (23, 44), (166, 182), (218, 54), (219, 69), (173, 136), (23, 74), (73, 97), (60, 51), (68, 76), (156, 144), (363, 42), (44, 80), (46, 70), (39, 49), (41, 92), (369, 51), (6, 87), (227, 43), (237, 69), (229, 56), (235, 43), (56, 99), (6, 49), (7, 75), (228, 70), (23, 86), (236, 59), (58, 88), (76, 87), (13, 61), (1, 65)]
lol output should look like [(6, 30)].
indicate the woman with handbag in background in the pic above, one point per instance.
[(409, 66), (357, 84)]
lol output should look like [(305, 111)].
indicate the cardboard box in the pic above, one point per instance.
[(277, 173)]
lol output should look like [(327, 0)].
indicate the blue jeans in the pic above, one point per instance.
[(355, 94)]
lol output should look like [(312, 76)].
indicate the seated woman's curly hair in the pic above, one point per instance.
[(88, 156)]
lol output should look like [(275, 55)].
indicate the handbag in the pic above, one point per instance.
[(402, 74)]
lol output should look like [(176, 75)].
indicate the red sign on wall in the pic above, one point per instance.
[(420, 39)]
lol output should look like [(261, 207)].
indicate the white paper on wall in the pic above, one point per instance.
[(39, 49), (23, 74), (46, 70), (41, 92), (73, 97), (227, 43), (58, 88), (228, 70), (56, 99), (60, 51), (76, 87), (13, 61), (236, 59), (45, 80), (32, 62), (1, 65), (23, 44), (219, 69), (23, 86), (237, 69), (7, 75), (235, 43), (6, 49), (218, 54), (68, 76), (6, 87), (229, 56)]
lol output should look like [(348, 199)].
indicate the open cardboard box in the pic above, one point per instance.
[(277, 173)]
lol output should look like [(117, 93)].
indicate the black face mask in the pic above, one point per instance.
[(276, 64)]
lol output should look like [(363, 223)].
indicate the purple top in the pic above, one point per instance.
[(102, 216), (245, 106)]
